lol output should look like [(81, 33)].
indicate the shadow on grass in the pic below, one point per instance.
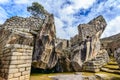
[(35, 71)]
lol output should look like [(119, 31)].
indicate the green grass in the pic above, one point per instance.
[(113, 63), (110, 76), (40, 76), (107, 76)]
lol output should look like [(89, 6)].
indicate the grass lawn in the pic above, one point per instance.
[(38, 76), (106, 75)]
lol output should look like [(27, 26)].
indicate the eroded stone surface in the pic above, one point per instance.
[(89, 43), (94, 65), (44, 52), (117, 56)]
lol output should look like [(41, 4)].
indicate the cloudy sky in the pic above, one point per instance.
[(68, 14)]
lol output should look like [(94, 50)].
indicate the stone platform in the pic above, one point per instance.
[(73, 77)]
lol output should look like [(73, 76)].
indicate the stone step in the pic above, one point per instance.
[(112, 67), (110, 70)]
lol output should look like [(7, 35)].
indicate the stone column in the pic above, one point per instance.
[(16, 62)]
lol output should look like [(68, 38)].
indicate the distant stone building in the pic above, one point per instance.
[(65, 43), (111, 43)]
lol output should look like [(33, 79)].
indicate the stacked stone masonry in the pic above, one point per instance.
[(95, 64), (16, 62), (16, 47)]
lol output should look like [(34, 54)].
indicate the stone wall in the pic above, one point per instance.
[(30, 23), (65, 43), (95, 64), (75, 40), (111, 43), (117, 56), (16, 62), (16, 47), (30, 31)]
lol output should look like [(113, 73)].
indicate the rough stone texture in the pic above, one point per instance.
[(15, 52), (31, 32), (30, 23), (111, 43), (117, 56), (75, 40), (16, 62), (19, 35), (95, 64), (63, 65), (62, 49), (62, 44), (89, 43), (44, 55)]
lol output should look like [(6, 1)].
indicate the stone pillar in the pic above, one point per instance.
[(15, 63)]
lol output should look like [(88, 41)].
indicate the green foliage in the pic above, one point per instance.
[(37, 10)]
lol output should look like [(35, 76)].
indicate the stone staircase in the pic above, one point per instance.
[(95, 64), (111, 67)]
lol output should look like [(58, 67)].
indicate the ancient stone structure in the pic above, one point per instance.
[(44, 55), (16, 48), (75, 40), (15, 62), (19, 39), (117, 56), (26, 41), (94, 65), (111, 43), (62, 43), (89, 43)]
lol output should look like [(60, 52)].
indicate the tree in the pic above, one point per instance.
[(37, 10)]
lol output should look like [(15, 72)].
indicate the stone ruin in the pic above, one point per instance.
[(88, 45), (117, 56), (26, 42), (23, 40)]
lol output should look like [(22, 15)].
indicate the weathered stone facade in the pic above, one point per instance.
[(18, 41), (16, 47), (88, 45), (111, 43), (16, 62), (96, 63), (26, 41), (117, 56), (75, 40), (44, 55), (62, 43)]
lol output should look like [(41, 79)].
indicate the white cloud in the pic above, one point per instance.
[(22, 1), (4, 1), (66, 25), (113, 27), (60, 30), (3, 15), (82, 3)]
